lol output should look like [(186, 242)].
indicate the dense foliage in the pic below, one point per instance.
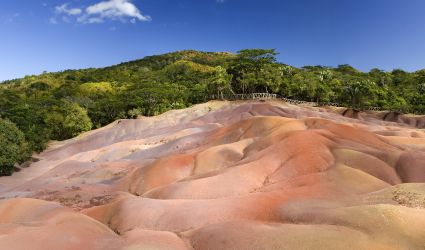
[(13, 146), (61, 105)]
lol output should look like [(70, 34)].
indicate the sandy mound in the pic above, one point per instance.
[(221, 175)]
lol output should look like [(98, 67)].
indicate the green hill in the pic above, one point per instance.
[(58, 106)]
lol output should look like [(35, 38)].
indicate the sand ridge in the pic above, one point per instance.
[(226, 175)]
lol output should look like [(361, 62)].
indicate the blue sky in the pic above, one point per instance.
[(55, 35)]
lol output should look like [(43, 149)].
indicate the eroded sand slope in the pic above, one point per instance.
[(241, 175)]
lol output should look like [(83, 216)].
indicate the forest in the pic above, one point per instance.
[(57, 106)]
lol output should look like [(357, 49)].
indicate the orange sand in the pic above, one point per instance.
[(221, 175)]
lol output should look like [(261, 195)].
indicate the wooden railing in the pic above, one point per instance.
[(268, 96), (256, 96)]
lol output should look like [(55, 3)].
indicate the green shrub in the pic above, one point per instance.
[(67, 121), (13, 147)]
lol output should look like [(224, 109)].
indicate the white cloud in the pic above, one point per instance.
[(113, 9), (63, 9), (122, 10)]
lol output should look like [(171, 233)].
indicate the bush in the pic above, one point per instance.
[(13, 147), (67, 121)]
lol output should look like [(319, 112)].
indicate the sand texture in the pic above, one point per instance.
[(226, 175)]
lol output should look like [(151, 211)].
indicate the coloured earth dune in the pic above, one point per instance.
[(226, 175)]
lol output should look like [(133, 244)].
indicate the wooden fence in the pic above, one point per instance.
[(268, 96), (256, 96)]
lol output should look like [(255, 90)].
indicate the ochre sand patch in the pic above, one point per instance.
[(226, 175)]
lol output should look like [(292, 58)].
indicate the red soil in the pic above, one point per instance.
[(221, 175)]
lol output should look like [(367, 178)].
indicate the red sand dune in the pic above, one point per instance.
[(221, 175)]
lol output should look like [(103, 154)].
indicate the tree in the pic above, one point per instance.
[(37, 87), (29, 115), (270, 77), (220, 82), (298, 87), (400, 77), (108, 109), (358, 90), (13, 146), (247, 81), (185, 72), (68, 121), (322, 88), (346, 69), (76, 121), (258, 56), (381, 77), (256, 70)]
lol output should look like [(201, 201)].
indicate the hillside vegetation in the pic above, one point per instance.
[(59, 106)]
